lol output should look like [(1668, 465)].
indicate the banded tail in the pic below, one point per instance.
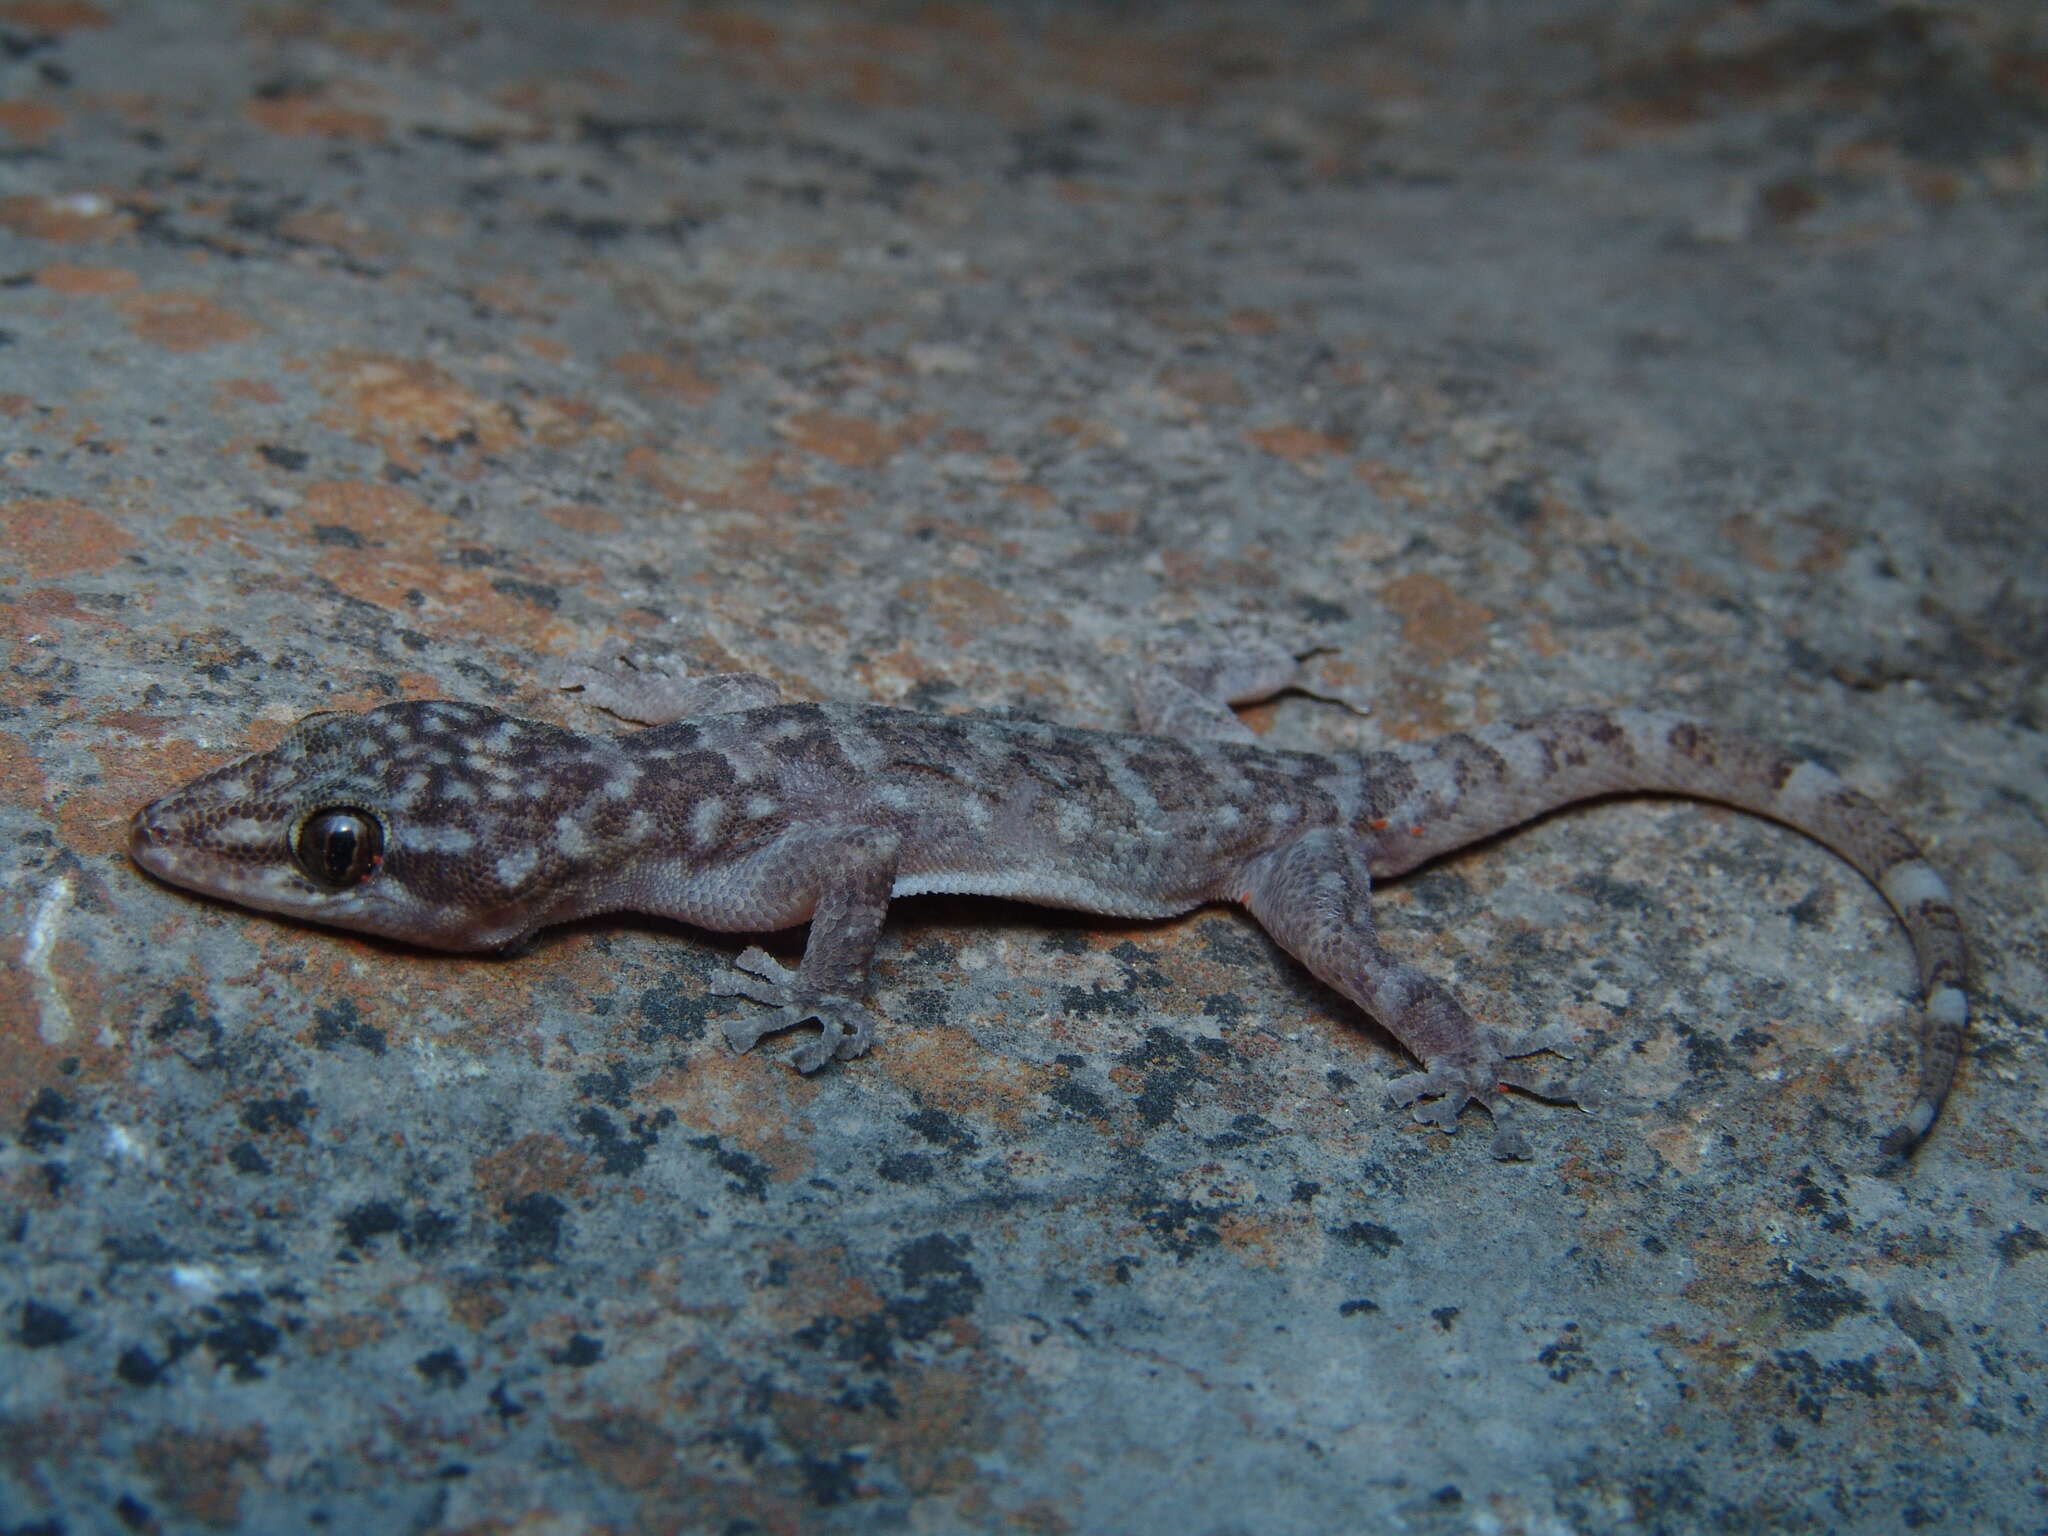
[(1472, 784)]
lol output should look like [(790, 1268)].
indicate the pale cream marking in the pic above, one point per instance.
[(513, 869), (572, 838), (1909, 884), (707, 819)]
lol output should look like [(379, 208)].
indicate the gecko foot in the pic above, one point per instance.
[(846, 1027), (1450, 1083)]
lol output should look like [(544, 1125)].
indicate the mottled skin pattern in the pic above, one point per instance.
[(458, 827)]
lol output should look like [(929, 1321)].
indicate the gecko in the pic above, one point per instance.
[(456, 826)]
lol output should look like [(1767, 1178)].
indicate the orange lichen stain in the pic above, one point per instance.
[(539, 1164), (76, 218), (399, 559), (31, 613), (731, 29), (1253, 1238), (54, 15), (1386, 480), (1251, 322), (1297, 445), (185, 322), (315, 115), (663, 373), (1435, 620), (578, 518), (58, 536), (76, 277), (894, 673), (516, 295), (745, 1101), (820, 1285), (1126, 64), (343, 1334), (404, 404), (1544, 641), (336, 231), (29, 122), (713, 479), (14, 407), (850, 441), (1204, 386), (52, 1034), (253, 391), (624, 1446), (476, 1302), (546, 348), (1753, 540), (1678, 1145), (948, 1070), (963, 607), (200, 1474), (21, 775)]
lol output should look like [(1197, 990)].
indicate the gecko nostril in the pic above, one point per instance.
[(145, 832)]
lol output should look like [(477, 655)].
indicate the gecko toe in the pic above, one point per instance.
[(813, 1055), (744, 1034), (760, 963), (1509, 1144)]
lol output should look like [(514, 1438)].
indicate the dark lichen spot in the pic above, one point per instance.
[(532, 1232), (43, 1326), (442, 1368), (581, 1350)]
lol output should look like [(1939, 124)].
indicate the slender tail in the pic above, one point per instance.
[(1443, 794)]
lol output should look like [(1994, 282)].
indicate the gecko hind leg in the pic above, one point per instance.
[(1313, 894), (846, 1026), (1452, 1082)]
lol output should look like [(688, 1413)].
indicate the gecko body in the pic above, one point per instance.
[(456, 826)]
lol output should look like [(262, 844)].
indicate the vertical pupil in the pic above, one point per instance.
[(340, 847)]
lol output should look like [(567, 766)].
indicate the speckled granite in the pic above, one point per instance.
[(1694, 354)]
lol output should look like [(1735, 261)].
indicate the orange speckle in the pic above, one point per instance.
[(544, 347), (313, 116), (53, 15), (337, 231), (29, 122), (400, 403), (185, 322), (1753, 540), (1251, 322), (254, 391), (76, 277), (75, 218), (664, 374), (1392, 483), (56, 536), (581, 519), (1435, 620), (729, 29), (1297, 445), (850, 441)]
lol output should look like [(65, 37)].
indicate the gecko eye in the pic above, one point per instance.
[(339, 848)]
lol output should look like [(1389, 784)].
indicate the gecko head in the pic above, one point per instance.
[(436, 823)]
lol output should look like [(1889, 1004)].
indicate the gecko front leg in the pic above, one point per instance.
[(839, 877), (655, 690), (1189, 682)]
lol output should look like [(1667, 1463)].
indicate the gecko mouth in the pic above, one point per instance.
[(150, 844)]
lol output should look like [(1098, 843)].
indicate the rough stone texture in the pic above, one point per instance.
[(1694, 354)]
